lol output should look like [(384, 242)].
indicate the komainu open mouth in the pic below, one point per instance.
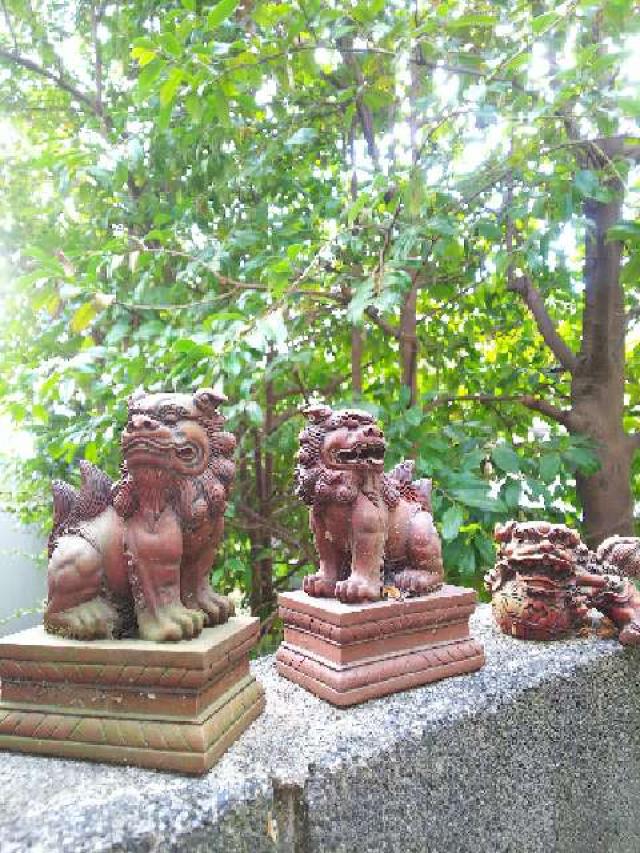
[(145, 443), (367, 453)]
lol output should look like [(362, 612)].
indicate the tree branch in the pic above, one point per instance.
[(618, 146), (60, 81), (365, 115), (561, 416), (532, 298), (387, 327)]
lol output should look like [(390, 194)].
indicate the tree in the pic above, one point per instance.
[(295, 200)]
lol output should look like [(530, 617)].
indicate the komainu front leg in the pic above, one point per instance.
[(322, 584), (196, 590), (153, 548), (369, 536), (75, 607)]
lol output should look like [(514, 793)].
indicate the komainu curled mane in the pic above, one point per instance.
[(134, 557), (370, 528)]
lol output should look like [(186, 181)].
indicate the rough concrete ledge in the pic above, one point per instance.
[(539, 751)]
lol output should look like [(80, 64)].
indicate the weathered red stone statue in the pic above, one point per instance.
[(371, 529), (128, 572), (376, 618), (546, 580), (139, 553)]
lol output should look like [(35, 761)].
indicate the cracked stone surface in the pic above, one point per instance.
[(538, 751)]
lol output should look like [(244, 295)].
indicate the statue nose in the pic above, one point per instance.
[(373, 432), (143, 422)]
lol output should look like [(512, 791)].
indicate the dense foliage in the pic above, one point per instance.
[(300, 200)]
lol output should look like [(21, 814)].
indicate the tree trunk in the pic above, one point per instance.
[(356, 361), (262, 561), (606, 496), (597, 388), (409, 344)]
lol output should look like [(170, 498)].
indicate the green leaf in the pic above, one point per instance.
[(143, 55), (148, 76), (467, 562), (221, 12), (171, 44), (506, 458), (452, 521), (83, 316), (624, 230), (476, 499), (486, 549), (170, 87), (542, 22), (465, 21), (511, 493), (583, 459), (360, 301), (549, 467), (586, 182)]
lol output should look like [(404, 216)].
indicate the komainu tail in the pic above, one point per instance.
[(417, 491), (64, 497), (72, 507)]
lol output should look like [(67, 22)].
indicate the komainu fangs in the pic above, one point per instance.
[(371, 529), (134, 558)]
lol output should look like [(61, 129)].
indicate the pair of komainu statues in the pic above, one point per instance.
[(133, 558)]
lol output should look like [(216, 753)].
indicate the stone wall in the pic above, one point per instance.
[(539, 751)]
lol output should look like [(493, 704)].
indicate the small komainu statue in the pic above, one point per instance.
[(371, 529), (133, 559), (546, 581)]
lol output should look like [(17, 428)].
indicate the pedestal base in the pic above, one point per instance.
[(348, 653), (172, 706)]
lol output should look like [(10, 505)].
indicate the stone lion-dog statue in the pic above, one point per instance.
[(133, 558), (371, 529)]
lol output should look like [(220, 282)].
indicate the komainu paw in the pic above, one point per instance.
[(171, 623), (96, 619)]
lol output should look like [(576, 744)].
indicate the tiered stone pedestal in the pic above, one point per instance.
[(347, 653), (169, 706)]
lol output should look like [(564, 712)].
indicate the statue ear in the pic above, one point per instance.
[(503, 532), (207, 400), (317, 412), (138, 394)]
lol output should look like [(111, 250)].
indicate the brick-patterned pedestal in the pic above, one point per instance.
[(170, 706), (347, 653)]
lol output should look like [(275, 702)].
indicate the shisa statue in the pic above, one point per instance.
[(376, 617), (371, 529), (546, 581), (134, 558), (139, 660)]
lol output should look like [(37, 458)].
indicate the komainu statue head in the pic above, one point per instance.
[(546, 580), (134, 558), (371, 529)]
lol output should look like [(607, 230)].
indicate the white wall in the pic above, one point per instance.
[(22, 573)]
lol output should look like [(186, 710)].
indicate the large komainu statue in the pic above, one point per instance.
[(370, 527), (546, 580), (138, 553)]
